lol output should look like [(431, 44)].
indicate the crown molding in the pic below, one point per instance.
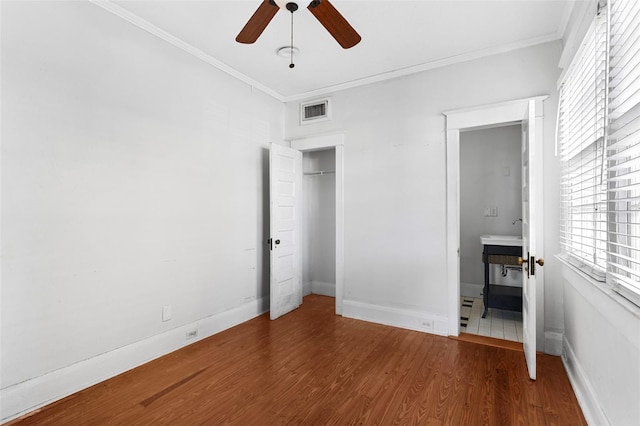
[(452, 60), (145, 25), (180, 44), (566, 17)]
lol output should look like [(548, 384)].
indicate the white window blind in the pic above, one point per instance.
[(583, 229), (624, 149)]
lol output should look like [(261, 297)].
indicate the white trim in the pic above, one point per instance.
[(306, 288), (314, 143), (335, 140), (491, 115), (457, 121), (584, 12), (323, 288), (564, 20), (583, 389), (553, 343), (604, 298), (396, 317), (175, 41), (453, 228), (34, 393), (180, 44), (424, 67)]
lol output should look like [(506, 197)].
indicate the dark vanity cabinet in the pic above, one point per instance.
[(500, 296)]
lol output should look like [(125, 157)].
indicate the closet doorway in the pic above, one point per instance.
[(319, 222), (323, 215)]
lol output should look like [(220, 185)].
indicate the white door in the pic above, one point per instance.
[(531, 228), (285, 185)]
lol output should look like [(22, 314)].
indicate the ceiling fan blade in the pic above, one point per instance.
[(335, 23), (258, 22)]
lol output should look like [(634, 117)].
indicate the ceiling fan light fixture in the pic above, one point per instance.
[(288, 51)]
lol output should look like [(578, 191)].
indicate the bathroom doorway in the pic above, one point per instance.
[(528, 112), (490, 204)]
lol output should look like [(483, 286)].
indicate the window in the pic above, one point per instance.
[(623, 166), (582, 136), (599, 147)]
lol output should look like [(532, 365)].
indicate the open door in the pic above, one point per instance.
[(531, 240), (285, 184)]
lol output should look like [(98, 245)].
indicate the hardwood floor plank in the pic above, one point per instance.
[(313, 367)]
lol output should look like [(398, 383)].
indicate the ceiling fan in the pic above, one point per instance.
[(324, 11)]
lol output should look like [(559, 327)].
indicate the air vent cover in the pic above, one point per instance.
[(315, 111)]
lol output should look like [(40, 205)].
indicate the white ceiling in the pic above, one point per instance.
[(398, 37)]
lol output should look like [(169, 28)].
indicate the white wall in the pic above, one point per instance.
[(602, 350), (319, 268), (395, 194), (133, 177), (490, 177)]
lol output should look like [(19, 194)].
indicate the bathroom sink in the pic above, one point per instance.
[(501, 240)]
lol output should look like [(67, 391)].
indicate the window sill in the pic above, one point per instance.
[(602, 287)]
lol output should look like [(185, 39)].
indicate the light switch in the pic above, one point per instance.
[(490, 211), (166, 313)]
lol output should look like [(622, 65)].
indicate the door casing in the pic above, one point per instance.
[(471, 119), (319, 142)]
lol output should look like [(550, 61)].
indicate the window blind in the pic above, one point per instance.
[(623, 160), (581, 131)]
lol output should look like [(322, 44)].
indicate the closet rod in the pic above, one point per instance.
[(320, 173)]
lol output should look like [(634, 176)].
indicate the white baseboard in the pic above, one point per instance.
[(306, 288), (396, 317), (324, 289), (553, 343), (32, 394), (583, 389)]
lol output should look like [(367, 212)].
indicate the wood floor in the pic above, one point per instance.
[(312, 367)]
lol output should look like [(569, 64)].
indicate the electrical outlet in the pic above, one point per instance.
[(192, 334), (427, 324)]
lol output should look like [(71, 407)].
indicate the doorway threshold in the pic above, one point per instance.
[(489, 341)]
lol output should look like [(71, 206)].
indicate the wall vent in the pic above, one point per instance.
[(315, 111)]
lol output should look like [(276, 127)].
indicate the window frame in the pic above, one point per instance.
[(619, 268)]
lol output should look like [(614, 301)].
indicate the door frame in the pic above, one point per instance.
[(474, 118), (327, 141)]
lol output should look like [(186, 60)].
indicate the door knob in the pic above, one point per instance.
[(521, 261), (540, 262), (277, 242)]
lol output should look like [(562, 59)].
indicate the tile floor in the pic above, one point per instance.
[(500, 324)]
